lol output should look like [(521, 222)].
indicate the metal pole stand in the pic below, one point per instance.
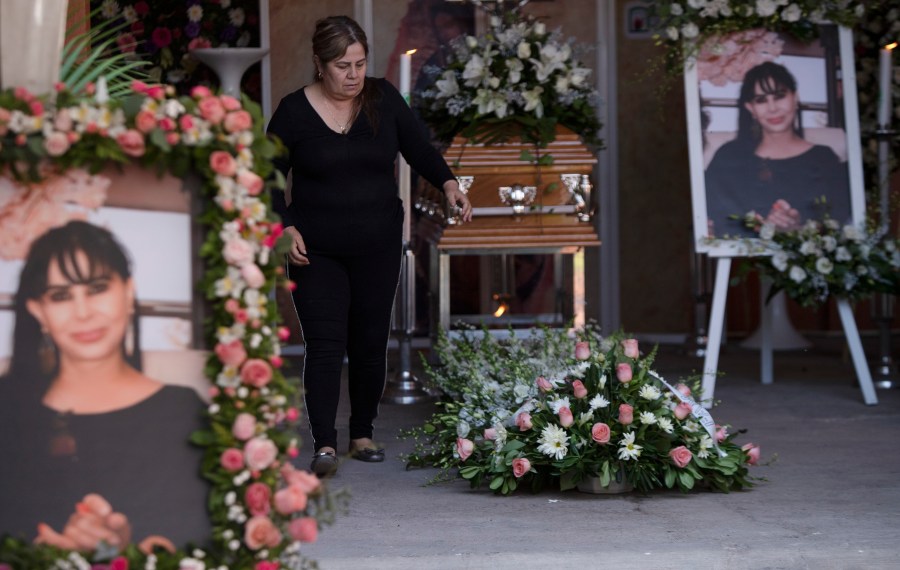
[(701, 275), (884, 371), (404, 387)]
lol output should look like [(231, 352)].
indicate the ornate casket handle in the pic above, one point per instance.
[(579, 187), (517, 196)]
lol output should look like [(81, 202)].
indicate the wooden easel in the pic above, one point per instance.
[(716, 325)]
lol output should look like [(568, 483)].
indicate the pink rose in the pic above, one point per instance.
[(623, 372), (117, 563), (56, 144), (626, 414), (200, 91), (681, 456), (303, 480), (290, 500), (232, 459), (259, 453), (490, 434), (145, 121), (257, 498), (304, 529), (543, 384), (256, 372), (238, 252), (520, 466), (579, 389), (523, 421), (683, 410), (232, 305), (565, 416), (211, 109), (464, 447), (63, 121), (683, 389), (230, 103), (237, 121), (244, 426), (582, 350), (752, 453), (259, 532), (267, 565), (292, 414), (721, 433), (232, 353), (600, 432), (186, 122), (251, 181), (253, 275), (132, 143), (222, 163), (630, 346)]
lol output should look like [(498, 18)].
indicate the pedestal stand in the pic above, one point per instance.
[(885, 369), (230, 64)]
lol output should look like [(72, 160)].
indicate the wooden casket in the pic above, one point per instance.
[(516, 203), (519, 207)]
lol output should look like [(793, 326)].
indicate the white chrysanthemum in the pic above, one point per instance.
[(691, 426), (666, 425), (598, 402), (237, 17), (649, 392), (554, 442), (195, 13), (824, 265), (109, 9), (797, 274), (627, 448), (647, 418), (558, 403)]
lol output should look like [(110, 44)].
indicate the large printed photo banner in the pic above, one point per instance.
[(773, 132), (97, 273)]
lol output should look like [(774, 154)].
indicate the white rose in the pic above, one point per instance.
[(767, 231), (824, 265), (780, 261), (676, 9), (797, 274), (471, 42), (524, 50), (690, 30), (495, 21), (765, 8), (696, 4), (540, 29), (791, 14), (851, 233), (672, 32), (843, 254)]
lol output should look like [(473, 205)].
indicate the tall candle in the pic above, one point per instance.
[(406, 74), (885, 76)]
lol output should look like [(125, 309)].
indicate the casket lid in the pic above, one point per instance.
[(567, 150)]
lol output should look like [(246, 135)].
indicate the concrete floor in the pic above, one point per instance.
[(830, 499)]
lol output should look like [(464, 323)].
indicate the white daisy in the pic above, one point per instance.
[(647, 418), (665, 424), (649, 392), (706, 443), (554, 442), (598, 402), (627, 448)]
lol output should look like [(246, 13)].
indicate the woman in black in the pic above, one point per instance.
[(770, 168), (343, 133)]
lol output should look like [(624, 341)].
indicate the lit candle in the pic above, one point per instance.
[(884, 84), (406, 74)]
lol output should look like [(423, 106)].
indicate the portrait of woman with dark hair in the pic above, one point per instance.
[(770, 167), (102, 451)]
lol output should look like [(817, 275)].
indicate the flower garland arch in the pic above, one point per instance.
[(247, 446)]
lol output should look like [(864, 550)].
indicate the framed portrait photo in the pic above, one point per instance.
[(773, 136)]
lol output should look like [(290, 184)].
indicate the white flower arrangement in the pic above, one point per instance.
[(518, 76)]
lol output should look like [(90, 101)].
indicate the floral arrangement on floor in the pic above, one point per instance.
[(261, 508), (554, 410), (823, 259), (518, 79), (163, 31)]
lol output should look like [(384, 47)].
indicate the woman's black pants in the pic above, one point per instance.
[(344, 304)]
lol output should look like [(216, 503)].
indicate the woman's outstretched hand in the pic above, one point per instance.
[(783, 216), (93, 522), (456, 198)]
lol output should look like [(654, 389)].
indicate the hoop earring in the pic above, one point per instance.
[(129, 340), (47, 353)]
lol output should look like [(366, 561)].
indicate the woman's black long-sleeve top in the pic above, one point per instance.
[(344, 190)]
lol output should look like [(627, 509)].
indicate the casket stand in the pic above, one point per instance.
[(519, 207)]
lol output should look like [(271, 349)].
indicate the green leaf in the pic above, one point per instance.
[(670, 477), (496, 482), (687, 481)]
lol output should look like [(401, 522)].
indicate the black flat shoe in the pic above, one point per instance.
[(368, 455), (324, 464)]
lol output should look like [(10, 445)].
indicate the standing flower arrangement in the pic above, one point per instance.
[(823, 259), (163, 31), (262, 509), (559, 410), (518, 79)]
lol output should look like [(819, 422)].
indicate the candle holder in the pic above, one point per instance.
[(230, 64)]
